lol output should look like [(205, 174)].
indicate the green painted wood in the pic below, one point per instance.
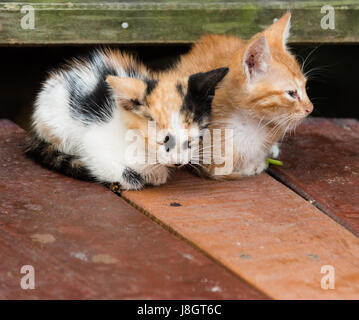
[(160, 21)]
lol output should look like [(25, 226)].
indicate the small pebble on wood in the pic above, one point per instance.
[(175, 204)]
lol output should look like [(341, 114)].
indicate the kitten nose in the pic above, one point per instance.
[(309, 109), (170, 142)]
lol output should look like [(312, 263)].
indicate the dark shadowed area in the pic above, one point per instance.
[(333, 87)]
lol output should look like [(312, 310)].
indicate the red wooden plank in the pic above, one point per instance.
[(321, 163), (86, 242), (261, 230)]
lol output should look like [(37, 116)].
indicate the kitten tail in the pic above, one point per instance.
[(47, 155)]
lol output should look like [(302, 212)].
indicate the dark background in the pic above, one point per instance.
[(334, 91)]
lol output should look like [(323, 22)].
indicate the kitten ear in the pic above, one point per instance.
[(257, 58), (200, 92), (129, 93), (203, 84), (278, 33)]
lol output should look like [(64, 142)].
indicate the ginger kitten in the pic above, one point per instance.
[(90, 115), (262, 97)]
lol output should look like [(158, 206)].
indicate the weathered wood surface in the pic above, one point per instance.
[(321, 163), (85, 242), (161, 21), (261, 230)]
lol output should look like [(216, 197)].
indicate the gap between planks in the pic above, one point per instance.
[(330, 227), (186, 240)]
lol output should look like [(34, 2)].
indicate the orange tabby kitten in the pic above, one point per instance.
[(261, 98)]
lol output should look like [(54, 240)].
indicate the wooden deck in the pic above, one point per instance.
[(135, 22), (262, 237)]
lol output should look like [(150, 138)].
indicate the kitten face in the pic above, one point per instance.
[(180, 108), (267, 79)]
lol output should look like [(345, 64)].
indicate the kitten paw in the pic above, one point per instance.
[(115, 187), (131, 180), (253, 169), (274, 151), (157, 176)]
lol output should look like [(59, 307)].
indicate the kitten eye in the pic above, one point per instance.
[(136, 102), (166, 139), (292, 93)]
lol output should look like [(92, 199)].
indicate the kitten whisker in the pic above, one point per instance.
[(306, 60)]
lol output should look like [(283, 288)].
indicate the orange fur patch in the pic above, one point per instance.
[(48, 135), (267, 98)]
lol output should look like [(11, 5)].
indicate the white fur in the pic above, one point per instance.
[(52, 112), (180, 154), (260, 52), (249, 140), (286, 33), (274, 151), (100, 147)]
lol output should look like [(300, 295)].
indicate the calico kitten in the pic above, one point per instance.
[(262, 97), (85, 110)]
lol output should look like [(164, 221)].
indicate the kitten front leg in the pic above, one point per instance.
[(131, 180), (274, 150), (253, 168), (247, 168), (257, 166), (156, 176), (119, 178)]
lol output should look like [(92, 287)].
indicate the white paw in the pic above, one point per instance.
[(274, 150), (253, 168), (157, 176)]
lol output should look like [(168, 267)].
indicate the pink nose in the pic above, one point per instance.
[(309, 109)]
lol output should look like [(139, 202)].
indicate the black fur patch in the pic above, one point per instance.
[(48, 156), (179, 88), (98, 104), (133, 178), (151, 85), (197, 103), (197, 109)]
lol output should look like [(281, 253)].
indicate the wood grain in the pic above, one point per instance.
[(84, 242), (321, 163), (261, 230), (160, 21)]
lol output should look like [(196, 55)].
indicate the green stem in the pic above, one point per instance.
[(273, 162)]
